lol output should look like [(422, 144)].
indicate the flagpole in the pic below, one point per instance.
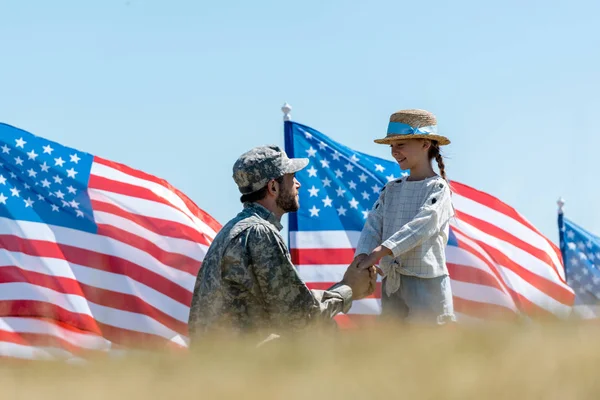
[(561, 204), (561, 232), (286, 109)]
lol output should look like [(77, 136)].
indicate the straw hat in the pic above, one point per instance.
[(413, 124)]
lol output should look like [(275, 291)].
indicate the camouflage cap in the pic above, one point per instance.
[(256, 167)]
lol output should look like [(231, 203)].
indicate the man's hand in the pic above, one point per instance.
[(361, 281), (357, 260)]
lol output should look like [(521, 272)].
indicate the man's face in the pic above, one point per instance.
[(287, 197)]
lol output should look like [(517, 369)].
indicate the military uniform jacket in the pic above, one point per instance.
[(247, 281)]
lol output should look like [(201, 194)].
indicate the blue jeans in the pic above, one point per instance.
[(420, 300)]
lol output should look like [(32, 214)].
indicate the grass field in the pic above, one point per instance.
[(495, 362)]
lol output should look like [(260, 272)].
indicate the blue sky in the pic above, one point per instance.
[(181, 88)]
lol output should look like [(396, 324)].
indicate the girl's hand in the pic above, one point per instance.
[(377, 254)]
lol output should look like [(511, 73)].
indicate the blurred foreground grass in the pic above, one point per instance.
[(494, 362)]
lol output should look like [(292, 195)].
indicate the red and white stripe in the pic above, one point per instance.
[(131, 283), (502, 267)]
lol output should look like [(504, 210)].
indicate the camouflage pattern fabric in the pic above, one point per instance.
[(248, 282)]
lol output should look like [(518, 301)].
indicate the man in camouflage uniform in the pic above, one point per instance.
[(247, 282)]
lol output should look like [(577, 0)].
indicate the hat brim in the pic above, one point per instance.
[(442, 140), (295, 164)]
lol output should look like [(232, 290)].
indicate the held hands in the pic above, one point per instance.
[(361, 281), (361, 275), (364, 261)]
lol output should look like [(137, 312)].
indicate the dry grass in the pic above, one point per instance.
[(532, 362)]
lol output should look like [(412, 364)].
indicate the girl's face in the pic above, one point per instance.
[(410, 153)]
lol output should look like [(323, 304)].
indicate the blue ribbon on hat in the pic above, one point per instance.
[(399, 128)]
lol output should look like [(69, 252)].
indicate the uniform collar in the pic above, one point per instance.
[(264, 214)]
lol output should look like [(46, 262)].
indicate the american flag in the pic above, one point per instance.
[(501, 266), (581, 252), (95, 256)]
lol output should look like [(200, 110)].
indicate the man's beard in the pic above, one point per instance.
[(287, 201)]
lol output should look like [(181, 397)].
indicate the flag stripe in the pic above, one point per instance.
[(546, 282), (166, 230), (103, 297), (120, 173), (495, 231), (173, 260), (98, 261)]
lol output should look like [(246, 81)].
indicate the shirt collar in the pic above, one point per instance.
[(264, 214)]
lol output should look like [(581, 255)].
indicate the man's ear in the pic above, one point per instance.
[(272, 187)]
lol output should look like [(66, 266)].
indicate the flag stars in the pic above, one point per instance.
[(46, 183), (32, 155), (5, 149), (12, 175), (74, 204), (20, 143), (32, 173), (48, 149), (66, 204), (71, 173), (326, 182), (390, 177), (365, 195), (18, 160), (27, 186), (15, 192), (336, 155), (79, 213), (352, 185), (353, 203), (311, 152), (341, 210), (313, 191), (326, 201), (365, 214), (57, 179), (379, 168), (59, 194), (338, 173), (340, 192), (55, 208), (28, 202), (325, 163), (362, 177), (314, 211), (349, 167), (375, 188), (71, 189), (322, 146), (40, 197), (74, 158), (45, 167), (3, 198), (572, 246), (59, 161), (354, 158), (312, 172), (2, 180), (308, 135)]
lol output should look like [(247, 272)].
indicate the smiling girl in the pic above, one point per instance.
[(406, 232)]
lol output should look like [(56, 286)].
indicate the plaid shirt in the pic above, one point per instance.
[(411, 218)]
